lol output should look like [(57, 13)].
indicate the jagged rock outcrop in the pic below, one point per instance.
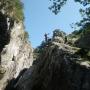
[(58, 36), (15, 49), (59, 67)]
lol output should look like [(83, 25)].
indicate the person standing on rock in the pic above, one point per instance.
[(46, 37), (65, 39)]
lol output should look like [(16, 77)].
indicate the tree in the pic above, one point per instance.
[(58, 4), (84, 24)]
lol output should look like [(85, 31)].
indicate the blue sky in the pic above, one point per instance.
[(40, 20)]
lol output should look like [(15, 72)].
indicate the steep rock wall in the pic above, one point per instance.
[(15, 51), (58, 68)]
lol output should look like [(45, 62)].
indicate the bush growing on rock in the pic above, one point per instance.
[(12, 8)]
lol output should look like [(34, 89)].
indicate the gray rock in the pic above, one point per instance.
[(15, 56), (56, 69)]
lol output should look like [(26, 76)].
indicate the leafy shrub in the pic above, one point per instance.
[(26, 35), (12, 8), (40, 49)]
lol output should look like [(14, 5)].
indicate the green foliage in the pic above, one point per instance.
[(13, 8), (83, 34), (41, 47), (26, 35), (84, 39), (58, 4), (81, 37), (84, 53), (86, 28), (39, 50), (75, 34)]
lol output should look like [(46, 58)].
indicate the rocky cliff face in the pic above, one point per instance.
[(59, 67), (15, 50)]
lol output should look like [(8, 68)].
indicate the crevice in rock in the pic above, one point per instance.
[(6, 24)]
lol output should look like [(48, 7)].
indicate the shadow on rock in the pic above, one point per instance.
[(13, 82)]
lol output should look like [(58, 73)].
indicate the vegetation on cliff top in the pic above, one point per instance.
[(12, 8), (81, 36)]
